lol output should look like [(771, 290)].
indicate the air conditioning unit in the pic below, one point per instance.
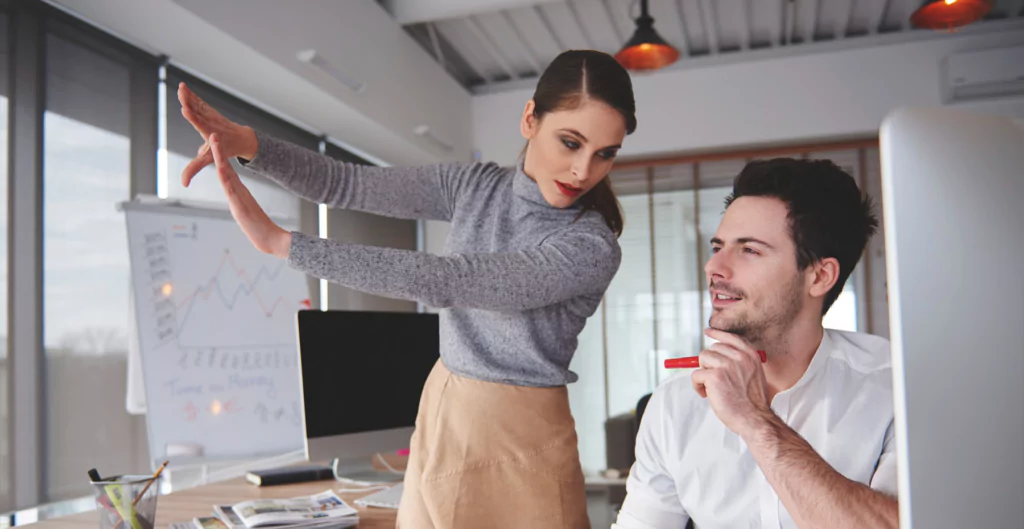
[(981, 74)]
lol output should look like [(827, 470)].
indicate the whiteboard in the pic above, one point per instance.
[(215, 323)]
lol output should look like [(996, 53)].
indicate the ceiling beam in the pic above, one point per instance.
[(579, 23), (875, 25), (551, 30), (777, 30), (685, 51), (812, 26), (843, 22), (416, 11), (521, 43), (848, 17), (745, 25), (710, 26), (611, 20), (476, 71), (788, 13), (477, 31), (1015, 8), (465, 58), (435, 43), (909, 6)]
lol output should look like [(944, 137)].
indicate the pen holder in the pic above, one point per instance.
[(115, 497)]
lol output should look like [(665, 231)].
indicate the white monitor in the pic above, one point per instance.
[(953, 204)]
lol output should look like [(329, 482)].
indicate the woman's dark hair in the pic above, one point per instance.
[(573, 77)]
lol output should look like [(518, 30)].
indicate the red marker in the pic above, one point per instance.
[(693, 362)]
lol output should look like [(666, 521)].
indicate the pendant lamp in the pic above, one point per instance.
[(949, 14), (646, 50)]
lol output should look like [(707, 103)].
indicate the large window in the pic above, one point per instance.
[(587, 396), (87, 172), (714, 185), (677, 272), (658, 304), (5, 448), (79, 129), (629, 313)]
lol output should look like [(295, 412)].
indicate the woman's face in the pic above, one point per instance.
[(570, 151)]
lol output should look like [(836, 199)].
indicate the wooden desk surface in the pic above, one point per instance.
[(184, 505)]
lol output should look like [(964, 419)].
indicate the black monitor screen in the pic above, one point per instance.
[(364, 371)]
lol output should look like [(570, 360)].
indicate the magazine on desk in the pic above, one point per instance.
[(227, 515), (215, 522), (323, 510)]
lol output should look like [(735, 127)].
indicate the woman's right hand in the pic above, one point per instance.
[(235, 140)]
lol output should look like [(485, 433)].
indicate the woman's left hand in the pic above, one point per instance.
[(264, 234)]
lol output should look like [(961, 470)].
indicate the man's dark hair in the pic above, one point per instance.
[(828, 215)]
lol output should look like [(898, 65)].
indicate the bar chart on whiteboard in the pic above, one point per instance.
[(216, 330)]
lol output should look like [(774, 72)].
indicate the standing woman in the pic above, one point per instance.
[(532, 249)]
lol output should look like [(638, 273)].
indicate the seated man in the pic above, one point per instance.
[(806, 439)]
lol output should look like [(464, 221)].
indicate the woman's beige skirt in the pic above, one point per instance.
[(488, 455)]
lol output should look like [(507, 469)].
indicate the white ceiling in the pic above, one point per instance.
[(250, 48), (503, 41)]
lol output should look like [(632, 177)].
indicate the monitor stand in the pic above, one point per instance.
[(361, 471)]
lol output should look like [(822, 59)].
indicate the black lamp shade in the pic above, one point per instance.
[(646, 50)]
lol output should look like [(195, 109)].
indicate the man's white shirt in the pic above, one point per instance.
[(689, 465)]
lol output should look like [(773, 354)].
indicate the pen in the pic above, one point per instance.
[(144, 489), (693, 362)]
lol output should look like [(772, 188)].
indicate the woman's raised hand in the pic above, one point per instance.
[(235, 140), (264, 234)]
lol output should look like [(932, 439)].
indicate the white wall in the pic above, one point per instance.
[(782, 99)]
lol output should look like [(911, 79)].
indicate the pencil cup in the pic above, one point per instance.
[(117, 505)]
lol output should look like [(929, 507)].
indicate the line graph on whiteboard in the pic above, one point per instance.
[(221, 304), (216, 335)]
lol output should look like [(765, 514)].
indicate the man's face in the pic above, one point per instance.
[(752, 275)]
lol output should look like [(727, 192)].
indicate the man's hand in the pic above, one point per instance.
[(732, 379)]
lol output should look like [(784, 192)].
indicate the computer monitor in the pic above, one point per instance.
[(953, 203), (362, 375)]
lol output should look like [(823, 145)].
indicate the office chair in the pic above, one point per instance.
[(641, 405)]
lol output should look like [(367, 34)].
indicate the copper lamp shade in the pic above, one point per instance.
[(949, 14)]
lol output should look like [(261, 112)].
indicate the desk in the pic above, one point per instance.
[(184, 505)]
